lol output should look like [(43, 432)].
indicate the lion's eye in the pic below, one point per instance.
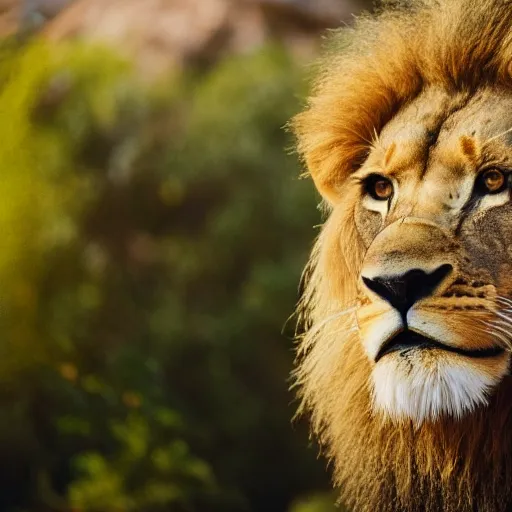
[(492, 181), (379, 188)]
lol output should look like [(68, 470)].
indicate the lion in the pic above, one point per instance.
[(403, 364)]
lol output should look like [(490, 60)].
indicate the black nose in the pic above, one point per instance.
[(403, 290)]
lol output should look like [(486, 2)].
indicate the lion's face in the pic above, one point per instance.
[(435, 218), (404, 361)]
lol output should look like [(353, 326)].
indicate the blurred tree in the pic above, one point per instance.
[(150, 32), (152, 244), (316, 503)]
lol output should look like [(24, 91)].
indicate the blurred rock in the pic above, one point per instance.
[(27, 15), (48, 8), (164, 35), (10, 16)]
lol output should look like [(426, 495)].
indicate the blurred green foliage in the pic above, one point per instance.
[(152, 242), (324, 502)]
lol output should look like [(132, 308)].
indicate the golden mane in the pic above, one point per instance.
[(446, 466), (371, 71), (384, 61)]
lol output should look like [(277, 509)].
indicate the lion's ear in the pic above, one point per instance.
[(331, 162), (331, 148), (319, 153), (330, 194), (327, 184)]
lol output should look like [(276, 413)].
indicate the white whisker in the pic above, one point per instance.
[(496, 330), (331, 318), (499, 135), (504, 300)]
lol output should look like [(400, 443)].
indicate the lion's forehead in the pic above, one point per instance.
[(433, 149), (440, 131)]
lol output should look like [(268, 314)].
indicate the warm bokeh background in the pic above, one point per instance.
[(153, 231)]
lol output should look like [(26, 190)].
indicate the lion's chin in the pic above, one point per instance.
[(424, 385)]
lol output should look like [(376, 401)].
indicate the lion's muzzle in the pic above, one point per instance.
[(402, 291)]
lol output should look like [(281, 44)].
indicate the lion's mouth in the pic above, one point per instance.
[(406, 341)]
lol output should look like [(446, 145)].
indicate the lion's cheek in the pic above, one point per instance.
[(368, 223), (377, 322)]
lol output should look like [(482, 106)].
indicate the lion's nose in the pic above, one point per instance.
[(403, 290)]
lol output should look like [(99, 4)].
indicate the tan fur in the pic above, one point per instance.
[(469, 148), (385, 61), (442, 66)]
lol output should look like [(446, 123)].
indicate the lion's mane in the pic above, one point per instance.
[(384, 61), (369, 72)]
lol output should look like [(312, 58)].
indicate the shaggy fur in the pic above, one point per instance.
[(385, 61), (372, 71)]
